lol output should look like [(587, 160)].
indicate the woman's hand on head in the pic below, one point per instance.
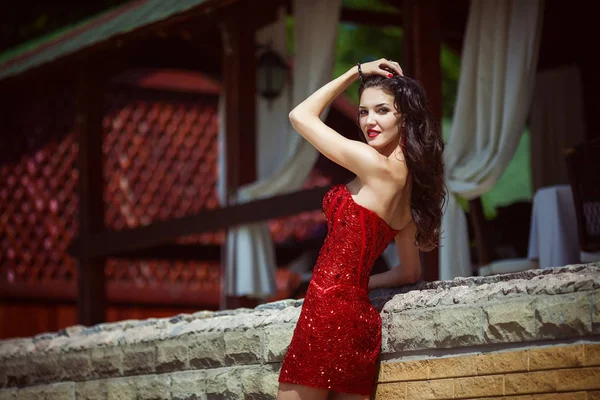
[(381, 67)]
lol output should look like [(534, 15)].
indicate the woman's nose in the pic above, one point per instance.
[(370, 119)]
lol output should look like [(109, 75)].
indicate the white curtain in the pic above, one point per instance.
[(284, 158), (556, 123), (498, 69)]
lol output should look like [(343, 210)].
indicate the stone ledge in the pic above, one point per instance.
[(471, 290), (562, 303), (244, 382)]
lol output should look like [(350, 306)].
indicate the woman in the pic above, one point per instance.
[(397, 195)]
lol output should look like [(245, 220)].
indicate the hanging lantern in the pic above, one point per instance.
[(272, 72)]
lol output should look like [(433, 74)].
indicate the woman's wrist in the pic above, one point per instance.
[(354, 72)]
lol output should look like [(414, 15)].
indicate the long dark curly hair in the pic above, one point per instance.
[(422, 146)]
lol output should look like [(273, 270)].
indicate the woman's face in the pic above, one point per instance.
[(378, 119)]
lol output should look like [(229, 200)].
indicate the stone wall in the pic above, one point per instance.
[(517, 335)]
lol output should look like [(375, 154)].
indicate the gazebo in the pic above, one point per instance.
[(146, 38)]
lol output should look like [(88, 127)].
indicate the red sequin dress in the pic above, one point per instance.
[(337, 338)]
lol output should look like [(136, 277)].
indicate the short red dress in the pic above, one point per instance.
[(337, 338)]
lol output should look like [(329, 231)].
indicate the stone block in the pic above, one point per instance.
[(592, 354), (8, 394), (452, 367), (206, 350), (254, 379), (555, 357), (403, 371), (579, 379), (153, 387), (76, 365), (436, 389), (121, 389), (188, 385), (17, 372), (491, 385), (223, 383), (277, 341), (44, 368), (32, 393), (563, 316), (60, 391), (593, 395), (530, 382), (509, 322), (171, 355), (501, 362), (386, 391), (458, 327), (139, 359), (91, 390), (288, 315), (243, 347), (107, 361), (414, 330), (269, 377), (13, 348), (3, 378)]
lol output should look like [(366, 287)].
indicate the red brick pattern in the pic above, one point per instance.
[(161, 162)]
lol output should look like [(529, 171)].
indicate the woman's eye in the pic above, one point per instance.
[(363, 112), (383, 110)]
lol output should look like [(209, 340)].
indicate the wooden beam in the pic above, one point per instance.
[(110, 243), (88, 125), (232, 64), (422, 49), (284, 254)]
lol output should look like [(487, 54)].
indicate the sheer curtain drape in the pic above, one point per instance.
[(498, 70), (284, 158)]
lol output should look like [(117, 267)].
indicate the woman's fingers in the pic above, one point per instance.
[(395, 67), (383, 67), (398, 68), (390, 66)]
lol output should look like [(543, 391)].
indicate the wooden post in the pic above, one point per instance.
[(239, 87), (422, 50), (477, 218), (91, 299)]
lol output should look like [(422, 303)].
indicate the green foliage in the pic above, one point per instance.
[(371, 5), (450, 73), (361, 43), (365, 43), (515, 183), (358, 43)]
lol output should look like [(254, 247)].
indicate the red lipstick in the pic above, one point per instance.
[(372, 133)]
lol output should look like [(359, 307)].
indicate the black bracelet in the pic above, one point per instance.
[(360, 75)]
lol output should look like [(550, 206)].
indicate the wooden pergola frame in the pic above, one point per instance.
[(422, 42)]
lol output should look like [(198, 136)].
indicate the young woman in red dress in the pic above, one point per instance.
[(397, 194)]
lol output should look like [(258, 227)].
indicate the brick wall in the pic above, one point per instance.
[(532, 335), (538, 372)]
